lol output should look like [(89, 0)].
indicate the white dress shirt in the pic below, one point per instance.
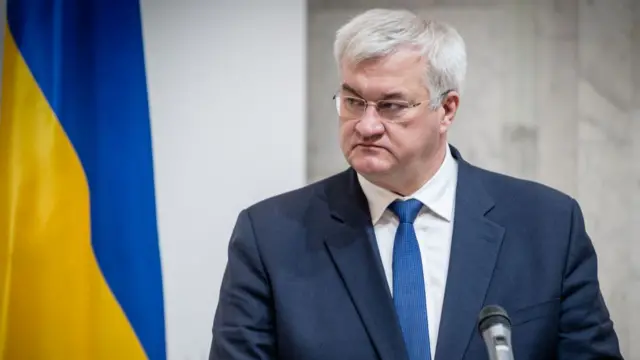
[(433, 226)]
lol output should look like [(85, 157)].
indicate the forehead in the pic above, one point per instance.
[(402, 71)]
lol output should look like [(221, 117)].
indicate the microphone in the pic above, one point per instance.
[(495, 327)]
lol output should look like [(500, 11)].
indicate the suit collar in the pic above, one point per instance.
[(350, 241), (347, 203), (470, 185), (474, 251)]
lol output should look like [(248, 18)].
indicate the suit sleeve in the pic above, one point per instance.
[(586, 330), (243, 323)]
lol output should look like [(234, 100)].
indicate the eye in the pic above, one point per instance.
[(353, 103), (392, 106)]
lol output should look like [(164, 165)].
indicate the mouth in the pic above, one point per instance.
[(368, 146)]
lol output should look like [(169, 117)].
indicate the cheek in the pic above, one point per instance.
[(413, 138), (346, 129)]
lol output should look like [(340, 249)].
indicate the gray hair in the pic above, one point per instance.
[(380, 32)]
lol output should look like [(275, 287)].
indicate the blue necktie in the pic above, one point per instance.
[(408, 282)]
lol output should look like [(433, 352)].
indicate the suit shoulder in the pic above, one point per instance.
[(293, 200), (526, 192)]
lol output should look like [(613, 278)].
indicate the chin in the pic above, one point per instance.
[(370, 165)]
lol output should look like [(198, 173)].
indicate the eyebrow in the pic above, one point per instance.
[(348, 88), (397, 95), (394, 96)]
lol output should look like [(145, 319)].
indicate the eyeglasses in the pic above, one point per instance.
[(352, 107)]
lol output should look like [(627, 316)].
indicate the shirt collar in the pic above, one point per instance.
[(438, 194)]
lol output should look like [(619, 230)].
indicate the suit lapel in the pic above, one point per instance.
[(351, 243), (474, 251)]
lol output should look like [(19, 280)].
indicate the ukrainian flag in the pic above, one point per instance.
[(80, 274)]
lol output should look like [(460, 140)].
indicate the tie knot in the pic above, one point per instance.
[(407, 210)]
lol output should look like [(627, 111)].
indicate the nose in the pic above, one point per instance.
[(369, 125)]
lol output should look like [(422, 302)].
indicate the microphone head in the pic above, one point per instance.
[(492, 315)]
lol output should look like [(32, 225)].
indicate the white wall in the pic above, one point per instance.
[(227, 94)]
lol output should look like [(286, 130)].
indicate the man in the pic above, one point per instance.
[(395, 257)]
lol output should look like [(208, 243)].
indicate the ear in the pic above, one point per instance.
[(449, 107)]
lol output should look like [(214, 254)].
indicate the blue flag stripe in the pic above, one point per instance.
[(87, 57)]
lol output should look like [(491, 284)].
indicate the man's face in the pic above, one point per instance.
[(375, 146)]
